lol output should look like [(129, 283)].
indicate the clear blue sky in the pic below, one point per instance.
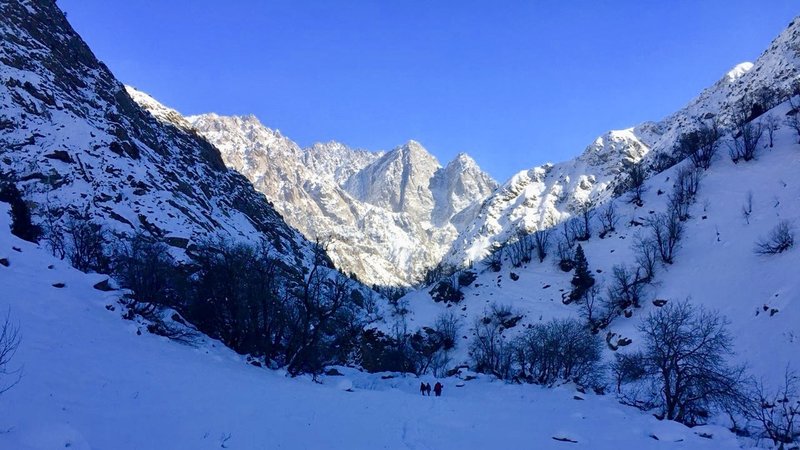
[(517, 86)]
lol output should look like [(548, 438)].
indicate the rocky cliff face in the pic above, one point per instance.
[(387, 217), (78, 144)]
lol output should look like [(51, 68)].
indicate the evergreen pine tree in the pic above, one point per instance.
[(583, 279)]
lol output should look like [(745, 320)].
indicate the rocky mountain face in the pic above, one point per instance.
[(77, 143), (386, 217), (545, 195)]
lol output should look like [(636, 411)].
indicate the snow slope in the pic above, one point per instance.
[(715, 265), (91, 381)]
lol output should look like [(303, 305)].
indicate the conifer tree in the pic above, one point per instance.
[(583, 279)]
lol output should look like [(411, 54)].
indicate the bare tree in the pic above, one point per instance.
[(569, 228), (780, 239), (608, 218), (700, 145), (586, 211), (646, 251), (793, 117), (85, 244), (746, 133), (559, 350), (541, 241), (666, 231), (771, 125), (9, 342), (596, 309), (489, 350), (626, 287), (777, 413), (637, 175), (685, 354), (520, 248)]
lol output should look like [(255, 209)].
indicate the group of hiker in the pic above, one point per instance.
[(425, 389)]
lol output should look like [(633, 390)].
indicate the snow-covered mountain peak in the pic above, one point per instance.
[(545, 195), (739, 70)]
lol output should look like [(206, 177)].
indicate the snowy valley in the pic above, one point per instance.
[(192, 282)]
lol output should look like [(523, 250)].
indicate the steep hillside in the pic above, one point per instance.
[(80, 146), (715, 264), (93, 380), (542, 196)]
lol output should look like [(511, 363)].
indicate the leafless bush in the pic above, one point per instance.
[(584, 231), (793, 117), (637, 175), (569, 232), (448, 325), (700, 145), (646, 251), (520, 249), (541, 241), (85, 244), (626, 287), (596, 309), (9, 342), (559, 350), (565, 256), (666, 231), (608, 218), (780, 239), (746, 133), (489, 350), (777, 413), (771, 125)]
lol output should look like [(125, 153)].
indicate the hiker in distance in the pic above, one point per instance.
[(437, 389)]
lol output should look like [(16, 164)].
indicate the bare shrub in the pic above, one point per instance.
[(559, 350), (9, 343), (637, 175), (700, 145), (646, 250), (494, 261), (780, 239), (746, 133), (771, 124), (608, 219), (792, 119), (541, 242), (666, 231), (777, 413)]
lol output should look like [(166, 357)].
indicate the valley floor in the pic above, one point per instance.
[(89, 381)]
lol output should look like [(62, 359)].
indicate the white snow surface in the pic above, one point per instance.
[(90, 381)]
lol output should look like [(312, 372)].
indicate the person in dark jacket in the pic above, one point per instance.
[(437, 389), (428, 389), (422, 388)]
